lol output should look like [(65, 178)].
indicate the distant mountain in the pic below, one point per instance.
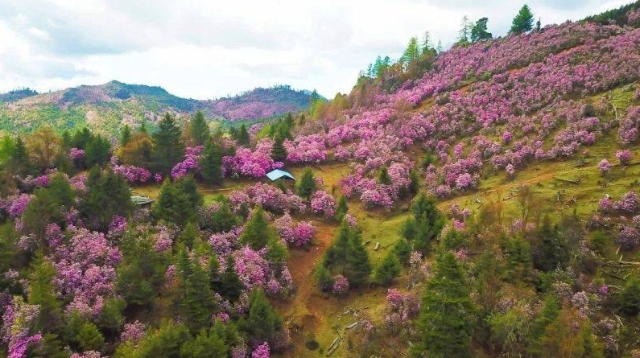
[(106, 107), (16, 95)]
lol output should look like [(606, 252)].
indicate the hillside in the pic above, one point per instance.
[(477, 202), (106, 107)]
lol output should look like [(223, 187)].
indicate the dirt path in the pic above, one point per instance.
[(306, 310)]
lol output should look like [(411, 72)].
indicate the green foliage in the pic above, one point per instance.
[(207, 344), (199, 129), (307, 184), (111, 318), (348, 257), (479, 31), (188, 236), (262, 323), (230, 287), (446, 318), (178, 201), (342, 209), (107, 195), (523, 22), (97, 152), (279, 152), (388, 269), (549, 313), (383, 177), (166, 342), (629, 299), (517, 252), (125, 135), (221, 220), (425, 225), (47, 206), (243, 136), (196, 304), (168, 148), (42, 293), (89, 337), (142, 270), (257, 232), (402, 250), (551, 249), (211, 164), (323, 277)]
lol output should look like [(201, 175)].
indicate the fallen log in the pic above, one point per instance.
[(377, 246)]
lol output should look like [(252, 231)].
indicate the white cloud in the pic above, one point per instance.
[(205, 49)]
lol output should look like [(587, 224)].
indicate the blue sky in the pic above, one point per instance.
[(207, 49)]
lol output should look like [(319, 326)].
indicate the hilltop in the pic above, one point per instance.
[(106, 107)]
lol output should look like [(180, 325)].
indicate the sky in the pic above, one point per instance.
[(207, 49)]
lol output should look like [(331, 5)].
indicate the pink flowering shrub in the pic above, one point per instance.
[(322, 203), (189, 164), (261, 351), (401, 309), (604, 166), (340, 285), (16, 322), (133, 332), (133, 174), (624, 156), (296, 235), (268, 197), (249, 163), (86, 271)]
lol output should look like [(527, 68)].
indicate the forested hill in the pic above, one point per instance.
[(106, 107)]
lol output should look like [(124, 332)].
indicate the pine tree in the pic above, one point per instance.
[(262, 323), (307, 184), (388, 269), (257, 233), (230, 285), (465, 29), (168, 148), (211, 164), (523, 22), (19, 163), (178, 202), (199, 129), (359, 266), (42, 293), (479, 31), (243, 136), (97, 152), (125, 135), (89, 337), (197, 301), (279, 152), (425, 225), (446, 317), (383, 177), (107, 195), (207, 344), (629, 299), (342, 208), (402, 250)]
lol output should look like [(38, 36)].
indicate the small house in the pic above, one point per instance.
[(277, 174)]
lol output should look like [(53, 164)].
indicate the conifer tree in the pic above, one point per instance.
[(479, 31), (42, 293), (359, 266), (107, 195), (199, 129), (523, 22), (383, 177), (342, 208), (206, 344), (425, 225), (402, 249), (279, 152), (243, 136), (307, 184), (388, 269), (262, 323), (257, 233), (446, 317), (168, 148), (125, 135), (197, 298), (230, 286), (211, 164)]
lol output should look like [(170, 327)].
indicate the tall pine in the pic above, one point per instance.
[(199, 129), (168, 148)]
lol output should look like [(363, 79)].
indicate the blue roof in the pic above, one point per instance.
[(277, 174)]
